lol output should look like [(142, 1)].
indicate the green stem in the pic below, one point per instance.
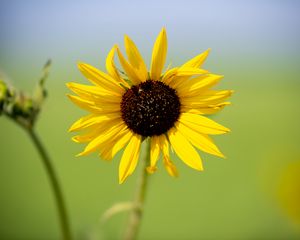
[(136, 213), (64, 223)]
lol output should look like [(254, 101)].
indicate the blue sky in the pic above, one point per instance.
[(68, 31), (58, 24)]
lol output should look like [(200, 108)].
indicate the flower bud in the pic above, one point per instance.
[(3, 94)]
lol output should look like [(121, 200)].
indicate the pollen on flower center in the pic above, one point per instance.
[(150, 108)]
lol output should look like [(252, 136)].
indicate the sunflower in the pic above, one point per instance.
[(127, 107)]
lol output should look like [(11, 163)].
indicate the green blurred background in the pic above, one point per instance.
[(253, 194)]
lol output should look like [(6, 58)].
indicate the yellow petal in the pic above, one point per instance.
[(196, 86), (96, 130), (83, 138), (170, 167), (118, 142), (182, 75), (92, 119), (136, 59), (151, 170), (95, 94), (209, 109), (197, 61), (130, 158), (164, 146), (81, 122), (184, 149), (87, 91), (111, 68), (130, 71), (154, 153), (91, 107), (202, 124), (100, 78), (103, 100), (159, 54), (189, 71), (201, 141), (103, 138), (209, 97), (84, 104), (93, 131), (109, 108), (169, 75)]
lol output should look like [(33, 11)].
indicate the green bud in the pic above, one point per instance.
[(3, 89), (40, 92), (3, 94), (21, 107)]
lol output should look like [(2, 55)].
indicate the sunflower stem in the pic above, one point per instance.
[(136, 214), (60, 203)]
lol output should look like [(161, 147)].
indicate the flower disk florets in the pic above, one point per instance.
[(150, 108)]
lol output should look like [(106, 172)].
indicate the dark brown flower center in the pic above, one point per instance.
[(150, 108)]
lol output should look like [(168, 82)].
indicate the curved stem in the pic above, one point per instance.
[(63, 217), (136, 213)]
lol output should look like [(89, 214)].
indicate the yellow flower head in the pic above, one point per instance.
[(166, 107)]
